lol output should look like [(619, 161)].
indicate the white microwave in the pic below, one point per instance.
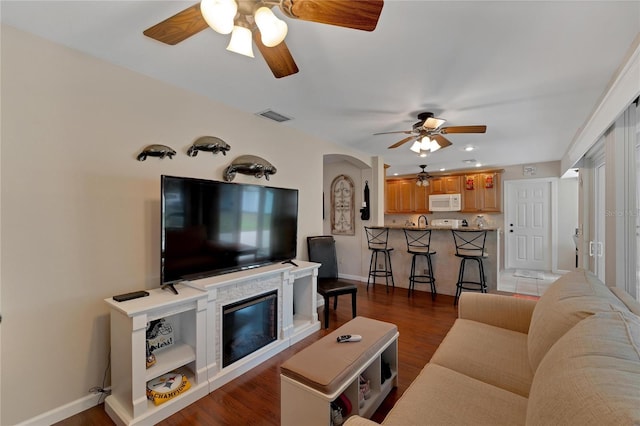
[(445, 202)]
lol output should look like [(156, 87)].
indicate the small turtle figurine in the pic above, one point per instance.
[(249, 165), (156, 150), (208, 144)]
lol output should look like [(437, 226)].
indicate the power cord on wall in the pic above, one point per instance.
[(102, 390)]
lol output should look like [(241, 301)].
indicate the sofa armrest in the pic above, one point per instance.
[(356, 420), (507, 312)]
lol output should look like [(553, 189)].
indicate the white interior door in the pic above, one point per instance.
[(528, 224)]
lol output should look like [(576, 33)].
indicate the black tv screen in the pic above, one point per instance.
[(211, 227)]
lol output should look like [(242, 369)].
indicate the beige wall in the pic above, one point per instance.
[(80, 216), (351, 249)]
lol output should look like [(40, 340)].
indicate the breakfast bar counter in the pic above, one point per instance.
[(445, 263)]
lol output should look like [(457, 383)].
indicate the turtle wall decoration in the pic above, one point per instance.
[(249, 165)]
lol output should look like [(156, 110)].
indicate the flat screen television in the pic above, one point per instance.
[(212, 227)]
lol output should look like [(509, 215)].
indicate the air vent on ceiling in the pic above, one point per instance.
[(469, 161), (275, 116)]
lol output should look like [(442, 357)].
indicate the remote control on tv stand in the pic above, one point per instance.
[(129, 296)]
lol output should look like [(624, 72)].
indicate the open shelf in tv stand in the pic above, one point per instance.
[(128, 403), (195, 311)]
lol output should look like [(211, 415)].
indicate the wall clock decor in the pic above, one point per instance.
[(342, 206)]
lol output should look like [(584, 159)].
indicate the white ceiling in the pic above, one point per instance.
[(531, 71)]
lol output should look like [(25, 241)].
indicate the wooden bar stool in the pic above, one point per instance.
[(377, 238), (418, 242), (470, 246)]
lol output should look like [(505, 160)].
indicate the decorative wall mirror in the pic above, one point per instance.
[(342, 206)]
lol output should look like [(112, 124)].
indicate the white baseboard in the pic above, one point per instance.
[(353, 277), (65, 411)]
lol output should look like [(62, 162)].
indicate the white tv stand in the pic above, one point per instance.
[(195, 314)]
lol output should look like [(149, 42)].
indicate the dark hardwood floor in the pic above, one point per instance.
[(254, 398)]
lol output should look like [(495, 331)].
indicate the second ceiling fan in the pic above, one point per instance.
[(253, 19), (427, 133)]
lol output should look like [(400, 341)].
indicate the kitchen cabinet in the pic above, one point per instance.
[(422, 198), (400, 196), (482, 193), (445, 185)]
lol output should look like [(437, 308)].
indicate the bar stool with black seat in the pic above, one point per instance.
[(377, 238), (418, 244), (470, 247), (322, 249)]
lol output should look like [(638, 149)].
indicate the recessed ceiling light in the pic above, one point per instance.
[(478, 164), (442, 169), (424, 154), (469, 148), (395, 174)]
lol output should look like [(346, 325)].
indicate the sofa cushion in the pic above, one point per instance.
[(512, 313), (591, 376), (573, 297), (440, 396), (490, 354), (630, 302)]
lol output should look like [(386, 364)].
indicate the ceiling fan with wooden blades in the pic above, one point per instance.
[(253, 19), (427, 133)]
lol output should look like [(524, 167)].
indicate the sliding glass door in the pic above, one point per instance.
[(637, 212)]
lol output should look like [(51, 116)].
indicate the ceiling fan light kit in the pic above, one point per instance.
[(425, 146), (416, 147), (423, 177), (255, 17), (427, 134), (241, 41), (273, 30), (219, 14)]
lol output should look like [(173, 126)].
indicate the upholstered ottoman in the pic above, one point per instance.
[(322, 372)]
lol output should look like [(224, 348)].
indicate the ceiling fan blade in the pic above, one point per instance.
[(442, 141), (179, 27), (359, 15), (403, 141), (278, 57), (464, 129), (406, 132)]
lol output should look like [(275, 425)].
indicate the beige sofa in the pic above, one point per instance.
[(571, 358)]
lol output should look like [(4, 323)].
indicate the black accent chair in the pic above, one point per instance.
[(470, 246), (322, 249)]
